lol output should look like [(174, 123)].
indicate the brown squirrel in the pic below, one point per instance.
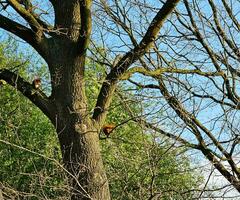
[(36, 83), (107, 129)]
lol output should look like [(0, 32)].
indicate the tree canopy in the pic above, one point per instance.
[(179, 59)]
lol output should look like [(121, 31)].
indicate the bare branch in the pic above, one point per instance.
[(229, 11), (118, 21), (108, 87)]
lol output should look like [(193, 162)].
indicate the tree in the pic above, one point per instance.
[(192, 65), (30, 163), (63, 46)]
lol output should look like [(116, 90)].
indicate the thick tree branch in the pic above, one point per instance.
[(24, 33), (33, 23), (108, 87), (36, 96), (86, 24), (160, 71), (31, 17)]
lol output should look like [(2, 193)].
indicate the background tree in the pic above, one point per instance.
[(62, 41)]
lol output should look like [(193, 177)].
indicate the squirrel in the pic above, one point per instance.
[(36, 83), (107, 129)]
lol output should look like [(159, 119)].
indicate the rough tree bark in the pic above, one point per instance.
[(64, 50)]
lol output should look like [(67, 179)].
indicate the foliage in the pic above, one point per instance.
[(29, 133)]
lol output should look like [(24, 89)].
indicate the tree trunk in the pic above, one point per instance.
[(77, 133), (82, 158)]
